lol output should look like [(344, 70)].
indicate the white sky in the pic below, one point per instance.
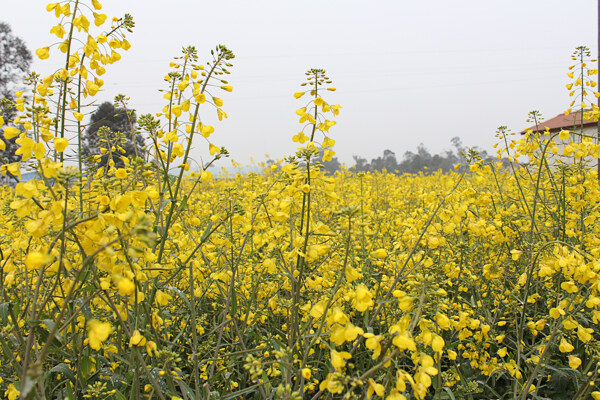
[(406, 72)]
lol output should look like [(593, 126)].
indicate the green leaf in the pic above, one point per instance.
[(7, 310), (70, 394), (180, 294), (63, 369), (206, 231), (119, 396), (86, 367), (183, 202)]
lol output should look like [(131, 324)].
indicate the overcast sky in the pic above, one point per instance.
[(406, 72)]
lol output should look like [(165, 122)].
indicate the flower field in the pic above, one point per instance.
[(151, 280)]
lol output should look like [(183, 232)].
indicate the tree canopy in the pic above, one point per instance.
[(109, 127), (414, 162), (15, 60)]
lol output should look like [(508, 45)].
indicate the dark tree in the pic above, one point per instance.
[(421, 161), (7, 112), (111, 126), (330, 167), (360, 164), (15, 60), (387, 162)]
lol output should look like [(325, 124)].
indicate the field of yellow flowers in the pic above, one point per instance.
[(153, 281)]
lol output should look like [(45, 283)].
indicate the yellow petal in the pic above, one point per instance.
[(60, 144), (43, 53), (11, 132)]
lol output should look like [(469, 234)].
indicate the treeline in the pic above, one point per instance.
[(411, 162)]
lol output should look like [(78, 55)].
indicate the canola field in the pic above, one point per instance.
[(154, 281)]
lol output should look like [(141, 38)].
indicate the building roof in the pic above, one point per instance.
[(560, 122)]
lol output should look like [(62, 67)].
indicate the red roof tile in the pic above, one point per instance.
[(561, 121)]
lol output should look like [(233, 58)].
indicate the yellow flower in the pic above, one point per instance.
[(565, 347), (39, 150), (438, 343), (36, 260), (171, 137), (11, 392), (151, 347), (126, 287), (121, 173), (205, 176), (404, 342), (338, 359), (162, 298), (99, 19), (137, 339), (227, 88), (11, 132), (299, 138), (96, 4), (516, 254), (375, 387), (298, 94), (176, 110), (374, 343), (206, 130), (379, 253), (98, 332), (218, 102), (574, 362), (58, 30), (584, 334), (443, 321), (306, 373), (363, 298), (395, 395), (60, 144), (200, 98), (569, 286), (564, 135), (92, 88), (43, 52)]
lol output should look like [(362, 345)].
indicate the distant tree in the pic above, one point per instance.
[(110, 125), (7, 112), (387, 162), (360, 164), (330, 167), (15, 60), (421, 161)]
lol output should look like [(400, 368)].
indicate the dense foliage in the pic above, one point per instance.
[(111, 126), (141, 282), (15, 60)]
